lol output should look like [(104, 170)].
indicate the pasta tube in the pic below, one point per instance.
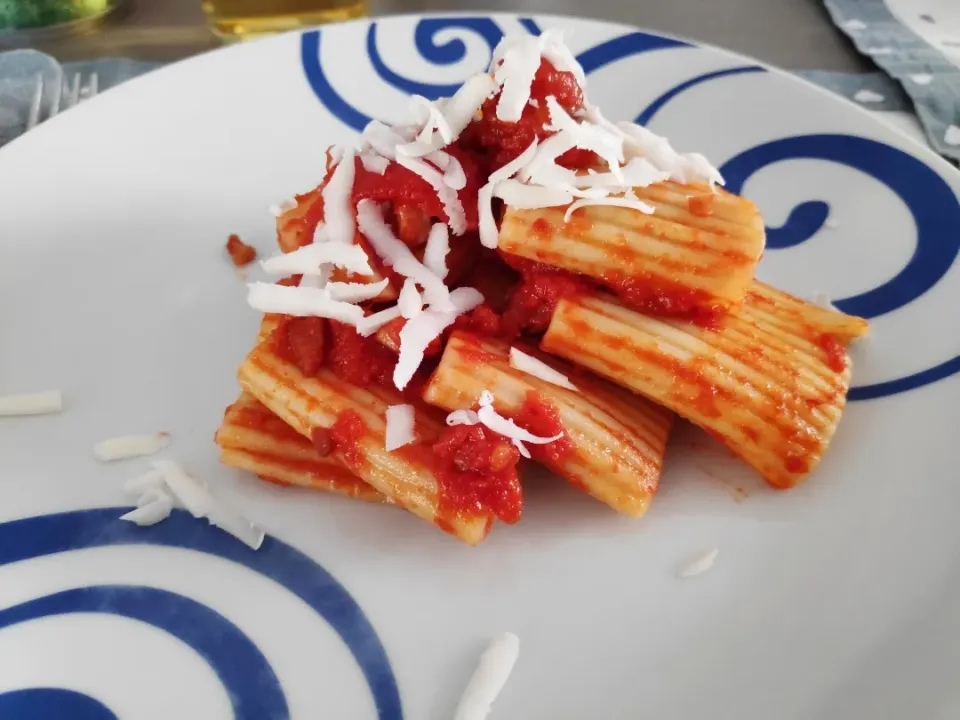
[(253, 438), (770, 381), (694, 256), (613, 441), (353, 418)]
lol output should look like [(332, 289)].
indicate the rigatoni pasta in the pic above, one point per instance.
[(613, 441), (325, 405), (695, 254), (254, 439), (770, 380)]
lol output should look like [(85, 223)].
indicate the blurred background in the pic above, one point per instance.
[(896, 57), (794, 34)]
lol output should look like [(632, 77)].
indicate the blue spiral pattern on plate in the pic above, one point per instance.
[(930, 199), (449, 53), (52, 703), (246, 674), (646, 115)]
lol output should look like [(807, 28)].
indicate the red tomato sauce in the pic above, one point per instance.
[(533, 301), (482, 321), (836, 355), (347, 432), (476, 472), (661, 298), (301, 341), (701, 205), (402, 187), (540, 417), (240, 253), (358, 360), (503, 141)]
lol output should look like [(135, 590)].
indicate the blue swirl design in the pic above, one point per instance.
[(935, 209), (449, 53), (646, 115), (247, 676), (910, 382), (254, 688), (52, 703), (618, 48)]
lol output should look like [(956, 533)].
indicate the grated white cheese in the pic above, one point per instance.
[(150, 513), (143, 484), (409, 301), (371, 323), (543, 168), (381, 139), (302, 302), (41, 403), (489, 234), (453, 173), (199, 502), (396, 254), (448, 196), (496, 664), (429, 115), (515, 165), (522, 196), (684, 168), (519, 64), (400, 426), (515, 62), (508, 428), (539, 369), (130, 446), (337, 208), (556, 52), (638, 172), (421, 330), (637, 205), (466, 102), (310, 259), (356, 292), (699, 564), (320, 280), (372, 162), (284, 206), (587, 136), (462, 417), (320, 233), (435, 252)]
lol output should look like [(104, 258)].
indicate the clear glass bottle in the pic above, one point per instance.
[(241, 19)]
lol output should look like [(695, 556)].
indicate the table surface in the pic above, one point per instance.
[(793, 34)]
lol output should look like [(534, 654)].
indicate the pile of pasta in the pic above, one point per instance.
[(512, 278)]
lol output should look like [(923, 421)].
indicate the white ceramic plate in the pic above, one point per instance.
[(838, 599)]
